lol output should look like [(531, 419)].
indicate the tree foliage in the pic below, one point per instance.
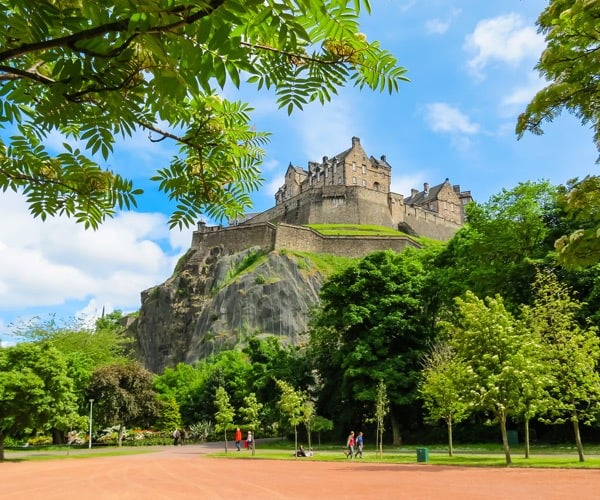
[(251, 415), (573, 353), (93, 71), (291, 403), (571, 63), (224, 414), (496, 352), (372, 325), (35, 390), (441, 388), (498, 249), (123, 395), (581, 202)]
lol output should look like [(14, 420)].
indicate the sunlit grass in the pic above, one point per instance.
[(475, 456)]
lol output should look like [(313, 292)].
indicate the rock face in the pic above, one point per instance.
[(214, 300)]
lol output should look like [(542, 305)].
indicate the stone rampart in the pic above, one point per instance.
[(268, 237), (429, 224), (236, 238)]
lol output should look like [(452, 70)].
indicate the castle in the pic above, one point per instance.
[(349, 188)]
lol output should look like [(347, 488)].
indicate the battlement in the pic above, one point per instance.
[(269, 237)]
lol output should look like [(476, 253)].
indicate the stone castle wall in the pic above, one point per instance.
[(269, 237), (357, 205)]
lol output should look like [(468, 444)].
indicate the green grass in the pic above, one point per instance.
[(354, 230), (57, 453), (326, 264), (471, 456)]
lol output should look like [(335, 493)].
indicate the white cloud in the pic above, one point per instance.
[(53, 262), (402, 184), (327, 130), (522, 95), (274, 184), (439, 26), (442, 117), (506, 39)]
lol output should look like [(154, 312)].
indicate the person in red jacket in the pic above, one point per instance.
[(238, 438)]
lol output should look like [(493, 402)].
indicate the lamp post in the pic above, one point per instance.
[(91, 406)]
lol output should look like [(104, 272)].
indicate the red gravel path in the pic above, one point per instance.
[(186, 472)]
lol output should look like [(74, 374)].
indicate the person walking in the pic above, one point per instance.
[(249, 441), (238, 438), (175, 437), (349, 452), (359, 444)]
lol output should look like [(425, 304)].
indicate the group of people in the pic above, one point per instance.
[(353, 443), (248, 443)]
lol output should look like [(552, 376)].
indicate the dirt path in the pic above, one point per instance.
[(187, 472)]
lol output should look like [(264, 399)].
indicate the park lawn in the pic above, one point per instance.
[(61, 453), (550, 458)]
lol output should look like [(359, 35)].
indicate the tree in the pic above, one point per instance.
[(169, 417), (381, 410), (498, 249), (308, 417), (92, 72), (270, 360), (444, 377), (35, 389), (225, 413), (486, 338), (372, 325), (123, 396), (290, 403), (321, 424), (581, 202), (573, 353), (570, 63), (251, 415)]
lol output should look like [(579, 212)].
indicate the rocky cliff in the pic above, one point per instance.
[(215, 299)]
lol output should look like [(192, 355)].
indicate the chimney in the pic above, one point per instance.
[(426, 187), (383, 158), (355, 141), (413, 191), (456, 188)]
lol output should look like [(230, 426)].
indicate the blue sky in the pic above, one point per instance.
[(471, 66)]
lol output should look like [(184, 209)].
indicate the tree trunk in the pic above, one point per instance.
[(2, 438), (502, 420), (397, 439), (295, 442), (450, 447), (578, 438), (58, 437), (526, 437)]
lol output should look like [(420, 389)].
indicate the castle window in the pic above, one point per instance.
[(326, 172), (339, 180), (376, 186), (335, 168), (364, 169), (364, 183), (353, 166), (353, 180)]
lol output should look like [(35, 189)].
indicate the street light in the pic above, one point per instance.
[(91, 406)]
